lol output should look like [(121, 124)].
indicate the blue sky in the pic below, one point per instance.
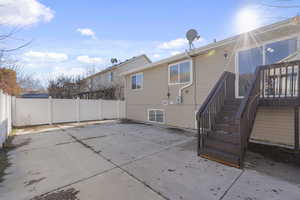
[(71, 36)]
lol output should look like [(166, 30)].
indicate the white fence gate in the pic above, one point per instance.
[(5, 117), (28, 112)]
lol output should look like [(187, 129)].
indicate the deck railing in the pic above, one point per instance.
[(206, 116), (277, 84), (280, 81)]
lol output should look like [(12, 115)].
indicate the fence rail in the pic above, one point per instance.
[(28, 112), (5, 117)]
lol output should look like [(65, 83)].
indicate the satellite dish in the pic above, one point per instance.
[(191, 36), (114, 60)]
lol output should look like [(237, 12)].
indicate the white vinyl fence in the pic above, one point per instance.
[(5, 117), (27, 112)]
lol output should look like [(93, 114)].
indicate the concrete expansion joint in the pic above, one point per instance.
[(113, 163), (231, 185)]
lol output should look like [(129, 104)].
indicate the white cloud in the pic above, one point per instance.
[(87, 32), (90, 60), (23, 12), (156, 56), (174, 44), (178, 43), (173, 53), (38, 56), (73, 71)]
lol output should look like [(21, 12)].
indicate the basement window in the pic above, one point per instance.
[(180, 73), (137, 81), (156, 115)]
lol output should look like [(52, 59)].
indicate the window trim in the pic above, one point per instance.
[(155, 109), (263, 45), (142, 86), (178, 63)]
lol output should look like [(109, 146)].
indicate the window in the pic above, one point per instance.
[(269, 53), (110, 76), (248, 61), (155, 115), (279, 50), (137, 81), (180, 72)]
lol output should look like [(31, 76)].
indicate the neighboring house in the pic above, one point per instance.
[(171, 91), (35, 95), (109, 79)]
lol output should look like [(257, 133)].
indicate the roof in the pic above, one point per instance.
[(211, 46), (118, 65)]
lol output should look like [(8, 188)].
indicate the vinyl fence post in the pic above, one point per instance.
[(1, 137), (50, 110), (118, 109), (13, 110), (7, 115), (100, 109), (78, 109)]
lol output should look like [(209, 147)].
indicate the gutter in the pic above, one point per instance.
[(192, 78)]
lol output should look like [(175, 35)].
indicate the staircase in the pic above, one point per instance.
[(225, 123), (223, 143)]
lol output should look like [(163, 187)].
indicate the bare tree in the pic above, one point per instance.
[(64, 87), (24, 79)]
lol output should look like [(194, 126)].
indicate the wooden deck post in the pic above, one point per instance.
[(296, 127)]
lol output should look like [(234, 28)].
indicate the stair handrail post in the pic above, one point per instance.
[(242, 116), (298, 89)]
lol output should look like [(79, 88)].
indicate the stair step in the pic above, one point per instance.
[(228, 119), (230, 108), (222, 157), (219, 145), (226, 127), (223, 136), (233, 101)]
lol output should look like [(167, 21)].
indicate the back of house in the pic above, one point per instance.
[(171, 91)]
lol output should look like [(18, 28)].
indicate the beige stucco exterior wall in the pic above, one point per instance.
[(156, 88), (208, 67)]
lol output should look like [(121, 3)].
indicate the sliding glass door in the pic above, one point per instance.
[(248, 60)]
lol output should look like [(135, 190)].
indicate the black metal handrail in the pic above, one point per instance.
[(206, 116)]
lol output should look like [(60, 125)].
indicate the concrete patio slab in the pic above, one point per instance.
[(178, 174), (115, 184), (37, 171), (41, 140), (254, 185), (113, 160), (122, 149)]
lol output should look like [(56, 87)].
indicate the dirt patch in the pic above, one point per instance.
[(4, 160), (69, 194), (277, 154), (31, 182), (90, 138), (4, 163), (128, 121)]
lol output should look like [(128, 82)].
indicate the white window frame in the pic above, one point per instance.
[(178, 63), (142, 86), (263, 45), (154, 109)]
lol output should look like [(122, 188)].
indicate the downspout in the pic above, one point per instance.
[(192, 77)]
